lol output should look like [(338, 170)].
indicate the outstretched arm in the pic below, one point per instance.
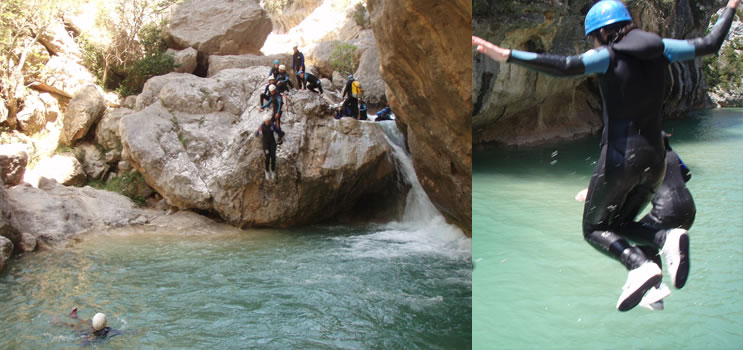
[(682, 50), (593, 61)]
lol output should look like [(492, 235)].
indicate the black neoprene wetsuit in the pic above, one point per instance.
[(352, 103), (311, 82), (632, 162), (673, 205), (269, 144)]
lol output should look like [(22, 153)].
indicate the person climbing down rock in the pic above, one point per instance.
[(274, 72), (266, 95), (298, 66), (631, 65), (282, 80), (362, 110), (384, 114), (269, 146), (311, 81), (352, 101), (275, 101), (672, 207)]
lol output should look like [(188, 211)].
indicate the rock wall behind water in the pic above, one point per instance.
[(421, 49), (515, 106)]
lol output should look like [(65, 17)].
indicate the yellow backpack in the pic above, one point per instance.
[(356, 90)]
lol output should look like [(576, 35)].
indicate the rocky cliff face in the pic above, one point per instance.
[(193, 140), (515, 106), (429, 88)]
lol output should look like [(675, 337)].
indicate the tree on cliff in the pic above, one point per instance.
[(22, 22)]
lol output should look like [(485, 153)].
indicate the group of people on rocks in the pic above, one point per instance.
[(279, 86)]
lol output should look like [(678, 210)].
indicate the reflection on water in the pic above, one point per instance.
[(538, 284)]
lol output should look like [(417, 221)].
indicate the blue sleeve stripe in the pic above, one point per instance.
[(596, 61), (523, 55), (678, 50)]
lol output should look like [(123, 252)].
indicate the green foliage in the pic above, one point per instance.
[(725, 70), (341, 58), (126, 185), (275, 7), (359, 15)]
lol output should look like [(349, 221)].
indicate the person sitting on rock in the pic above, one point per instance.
[(269, 146), (341, 110), (310, 81), (282, 80), (276, 101), (266, 95), (298, 65), (351, 102), (274, 72), (362, 110), (384, 114)]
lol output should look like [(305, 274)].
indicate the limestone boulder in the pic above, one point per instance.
[(431, 93), (64, 76), (107, 131), (370, 77), (293, 14), (6, 227), (3, 112), (210, 159), (130, 102), (62, 168), (219, 27), (85, 109), (339, 81), (92, 160), (6, 251), (13, 161), (186, 60), (38, 109), (319, 57), (220, 63), (27, 243), (59, 42), (53, 213)]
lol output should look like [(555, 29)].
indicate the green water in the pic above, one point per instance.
[(388, 286), (539, 285)]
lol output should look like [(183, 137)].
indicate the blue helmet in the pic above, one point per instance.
[(276, 62), (300, 72), (604, 13), (350, 77)]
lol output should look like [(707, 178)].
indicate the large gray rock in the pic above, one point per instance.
[(220, 27), (38, 109), (92, 160), (290, 16), (185, 60), (3, 112), (53, 213), (59, 42), (220, 63), (64, 76), (13, 161), (6, 251), (319, 57), (83, 111), (107, 131), (370, 77), (6, 227), (198, 156)]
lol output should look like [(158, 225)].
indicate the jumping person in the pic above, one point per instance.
[(630, 64), (276, 101), (298, 66), (269, 146), (274, 72), (310, 81), (673, 207), (282, 80), (266, 95)]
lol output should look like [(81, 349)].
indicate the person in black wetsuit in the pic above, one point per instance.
[(352, 103), (630, 64), (266, 95), (310, 81), (269, 146), (282, 80), (276, 102), (274, 72), (298, 66), (673, 207), (362, 110)]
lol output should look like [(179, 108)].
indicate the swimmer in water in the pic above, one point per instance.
[(92, 331), (630, 64)]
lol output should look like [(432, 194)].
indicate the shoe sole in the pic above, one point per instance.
[(634, 299), (683, 271)]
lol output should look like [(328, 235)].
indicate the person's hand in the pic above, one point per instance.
[(581, 196), (495, 52), (277, 116), (733, 3)]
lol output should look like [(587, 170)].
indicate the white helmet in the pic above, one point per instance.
[(271, 87), (271, 78), (282, 67), (99, 321), (267, 118)]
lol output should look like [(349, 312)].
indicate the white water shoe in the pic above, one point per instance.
[(675, 253), (639, 281), (653, 299)]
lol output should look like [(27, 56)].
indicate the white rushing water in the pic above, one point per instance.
[(422, 230)]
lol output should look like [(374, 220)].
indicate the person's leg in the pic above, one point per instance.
[(272, 155), (264, 97)]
